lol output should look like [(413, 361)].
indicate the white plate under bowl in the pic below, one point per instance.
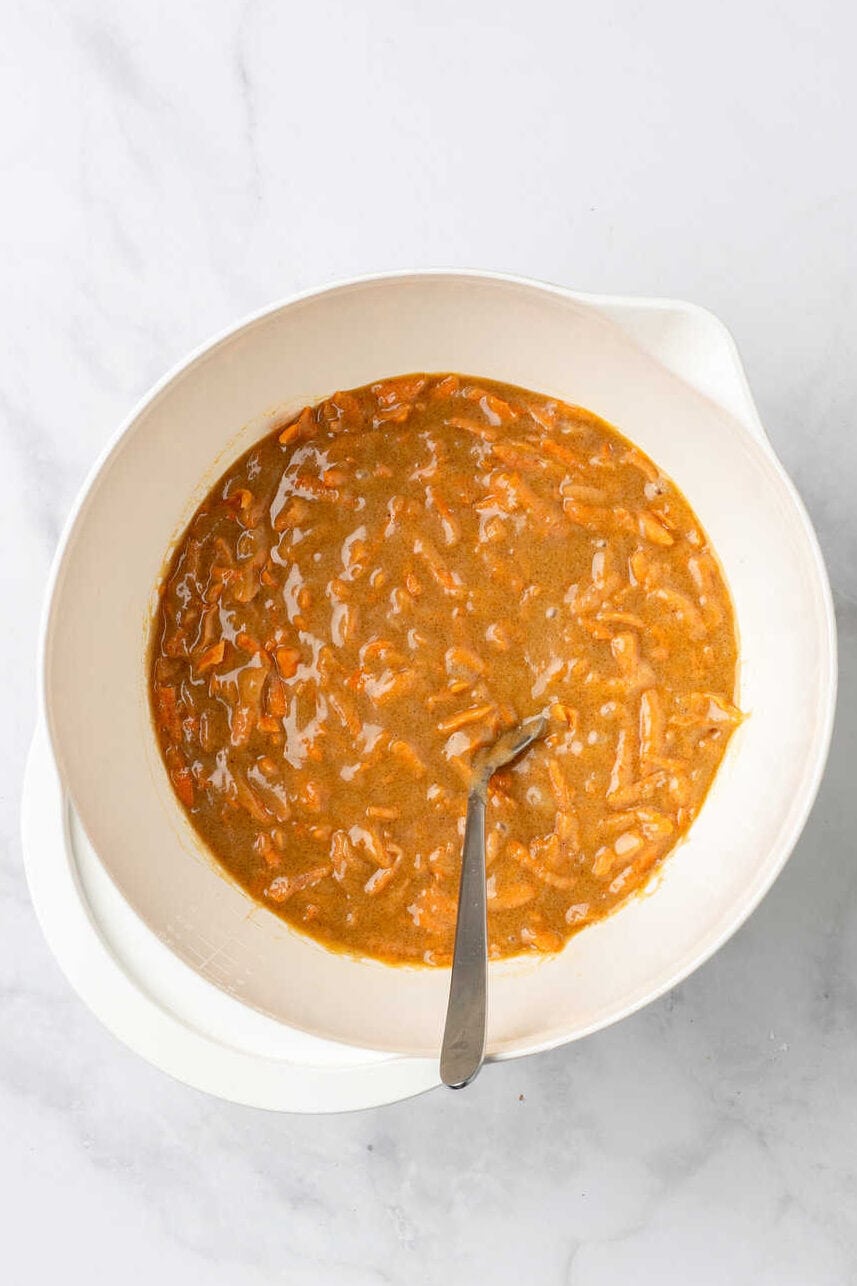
[(164, 1010), (690, 411)]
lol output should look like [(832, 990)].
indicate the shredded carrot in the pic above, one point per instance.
[(464, 717), (288, 660), (303, 427)]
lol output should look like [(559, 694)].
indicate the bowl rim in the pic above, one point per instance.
[(749, 422)]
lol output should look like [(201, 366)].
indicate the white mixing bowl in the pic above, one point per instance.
[(206, 413)]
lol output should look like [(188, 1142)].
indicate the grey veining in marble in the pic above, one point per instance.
[(168, 167)]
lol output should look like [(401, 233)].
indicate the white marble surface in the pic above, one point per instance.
[(168, 167)]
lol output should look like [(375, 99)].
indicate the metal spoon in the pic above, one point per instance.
[(463, 1047)]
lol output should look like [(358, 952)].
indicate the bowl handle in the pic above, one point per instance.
[(696, 346)]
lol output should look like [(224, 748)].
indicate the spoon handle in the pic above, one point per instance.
[(464, 1036)]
